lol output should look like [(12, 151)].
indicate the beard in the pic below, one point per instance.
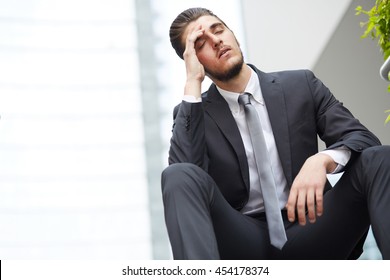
[(228, 74)]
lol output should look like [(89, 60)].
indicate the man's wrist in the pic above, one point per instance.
[(328, 162), (193, 88), (191, 99), (340, 156)]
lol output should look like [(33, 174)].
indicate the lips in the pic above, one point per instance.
[(222, 51)]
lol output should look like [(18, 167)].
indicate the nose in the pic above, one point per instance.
[(216, 40)]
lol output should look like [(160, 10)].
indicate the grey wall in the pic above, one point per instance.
[(350, 66), (347, 64)]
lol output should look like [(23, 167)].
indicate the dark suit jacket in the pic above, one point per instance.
[(300, 108)]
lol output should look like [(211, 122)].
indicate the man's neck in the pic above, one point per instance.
[(238, 83)]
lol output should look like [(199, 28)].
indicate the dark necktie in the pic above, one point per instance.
[(273, 214)]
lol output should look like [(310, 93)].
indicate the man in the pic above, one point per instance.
[(215, 200)]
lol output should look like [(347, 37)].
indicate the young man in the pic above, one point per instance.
[(219, 200)]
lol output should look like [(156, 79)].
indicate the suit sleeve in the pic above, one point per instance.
[(335, 124), (188, 135)]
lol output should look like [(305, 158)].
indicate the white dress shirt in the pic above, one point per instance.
[(255, 203)]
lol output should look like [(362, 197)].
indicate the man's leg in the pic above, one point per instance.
[(187, 196), (374, 177), (202, 225), (360, 198)]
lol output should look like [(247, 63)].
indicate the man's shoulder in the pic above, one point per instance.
[(209, 91), (291, 73), (283, 74)]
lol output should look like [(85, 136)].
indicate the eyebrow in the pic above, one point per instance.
[(215, 25)]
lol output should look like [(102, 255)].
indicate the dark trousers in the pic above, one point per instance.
[(202, 225)]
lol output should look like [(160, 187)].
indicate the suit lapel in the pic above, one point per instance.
[(273, 94), (218, 109), (277, 110)]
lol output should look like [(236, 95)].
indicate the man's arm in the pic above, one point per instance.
[(338, 128), (188, 137), (336, 125)]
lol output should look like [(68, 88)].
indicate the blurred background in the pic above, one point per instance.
[(87, 89)]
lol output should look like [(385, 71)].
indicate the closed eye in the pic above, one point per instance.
[(199, 43), (218, 31)]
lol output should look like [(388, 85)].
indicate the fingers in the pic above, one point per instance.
[(195, 70), (311, 211), (191, 39), (306, 193), (296, 204), (301, 208), (291, 203), (304, 201), (319, 202)]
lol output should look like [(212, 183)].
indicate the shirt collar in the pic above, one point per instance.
[(253, 87)]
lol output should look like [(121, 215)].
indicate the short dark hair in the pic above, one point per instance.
[(181, 22)]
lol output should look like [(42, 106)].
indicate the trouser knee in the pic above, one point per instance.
[(187, 181), (374, 158), (373, 167), (179, 175)]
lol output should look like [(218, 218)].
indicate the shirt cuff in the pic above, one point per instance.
[(340, 155), (192, 99)]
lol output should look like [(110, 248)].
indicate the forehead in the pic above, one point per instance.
[(206, 22)]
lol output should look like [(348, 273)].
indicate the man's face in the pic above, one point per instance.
[(217, 49)]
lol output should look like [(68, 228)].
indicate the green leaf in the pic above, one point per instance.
[(358, 10), (388, 118), (377, 26)]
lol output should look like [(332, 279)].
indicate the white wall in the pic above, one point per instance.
[(72, 173), (73, 178)]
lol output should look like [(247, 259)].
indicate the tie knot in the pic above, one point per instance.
[(243, 99)]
